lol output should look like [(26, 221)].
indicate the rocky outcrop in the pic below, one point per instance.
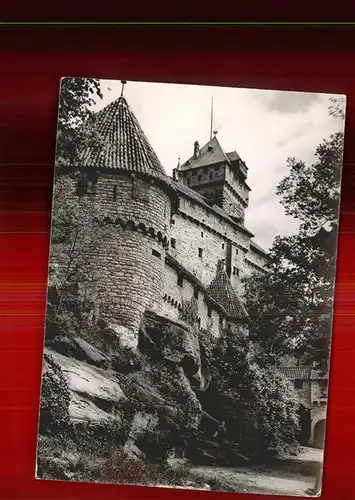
[(96, 393), (176, 341)]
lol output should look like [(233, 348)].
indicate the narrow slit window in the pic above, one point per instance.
[(114, 193), (173, 243), (200, 252), (196, 292), (209, 312), (180, 280), (222, 246), (156, 254), (201, 234)]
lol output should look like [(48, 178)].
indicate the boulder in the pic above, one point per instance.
[(177, 341), (96, 393), (89, 353), (126, 337)]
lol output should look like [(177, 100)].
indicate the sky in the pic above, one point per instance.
[(264, 127)]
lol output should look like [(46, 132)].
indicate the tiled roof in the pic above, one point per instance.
[(233, 155), (211, 153), (296, 372), (122, 144), (222, 291)]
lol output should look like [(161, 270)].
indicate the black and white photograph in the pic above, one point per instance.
[(191, 287)]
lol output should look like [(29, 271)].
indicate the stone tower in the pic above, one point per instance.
[(218, 176), (135, 199)]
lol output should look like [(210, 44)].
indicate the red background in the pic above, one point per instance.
[(32, 62)]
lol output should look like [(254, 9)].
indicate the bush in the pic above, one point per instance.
[(126, 361), (121, 469), (258, 405), (55, 399)]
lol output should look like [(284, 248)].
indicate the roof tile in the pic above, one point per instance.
[(122, 143), (222, 291)]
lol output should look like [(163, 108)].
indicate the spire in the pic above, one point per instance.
[(121, 143), (222, 291), (178, 163), (123, 84)]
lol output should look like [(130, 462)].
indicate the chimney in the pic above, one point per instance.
[(196, 150)]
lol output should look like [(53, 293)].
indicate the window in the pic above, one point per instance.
[(114, 193), (188, 181), (156, 254), (211, 176), (193, 174), (173, 222), (201, 234), (235, 271), (196, 292), (209, 312), (216, 168), (199, 178), (229, 326), (236, 251), (173, 243), (200, 251), (222, 246), (298, 384), (180, 280)]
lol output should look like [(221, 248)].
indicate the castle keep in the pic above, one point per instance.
[(171, 239)]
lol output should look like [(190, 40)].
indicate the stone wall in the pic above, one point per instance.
[(129, 250), (231, 204), (135, 199), (175, 295), (238, 186), (304, 393), (254, 261), (196, 228)]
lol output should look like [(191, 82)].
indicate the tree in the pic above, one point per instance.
[(75, 116), (257, 404), (291, 305), (77, 231)]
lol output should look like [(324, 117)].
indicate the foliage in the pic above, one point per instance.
[(126, 360), (55, 399), (75, 116), (189, 311), (291, 305), (258, 406)]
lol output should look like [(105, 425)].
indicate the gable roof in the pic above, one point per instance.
[(233, 156), (210, 154), (222, 291), (121, 143)]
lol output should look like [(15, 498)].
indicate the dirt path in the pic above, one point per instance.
[(291, 476)]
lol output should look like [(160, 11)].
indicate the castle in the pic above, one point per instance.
[(172, 239)]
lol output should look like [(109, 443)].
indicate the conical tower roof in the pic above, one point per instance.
[(222, 291), (119, 143)]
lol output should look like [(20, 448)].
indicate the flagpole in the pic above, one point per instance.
[(211, 131)]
